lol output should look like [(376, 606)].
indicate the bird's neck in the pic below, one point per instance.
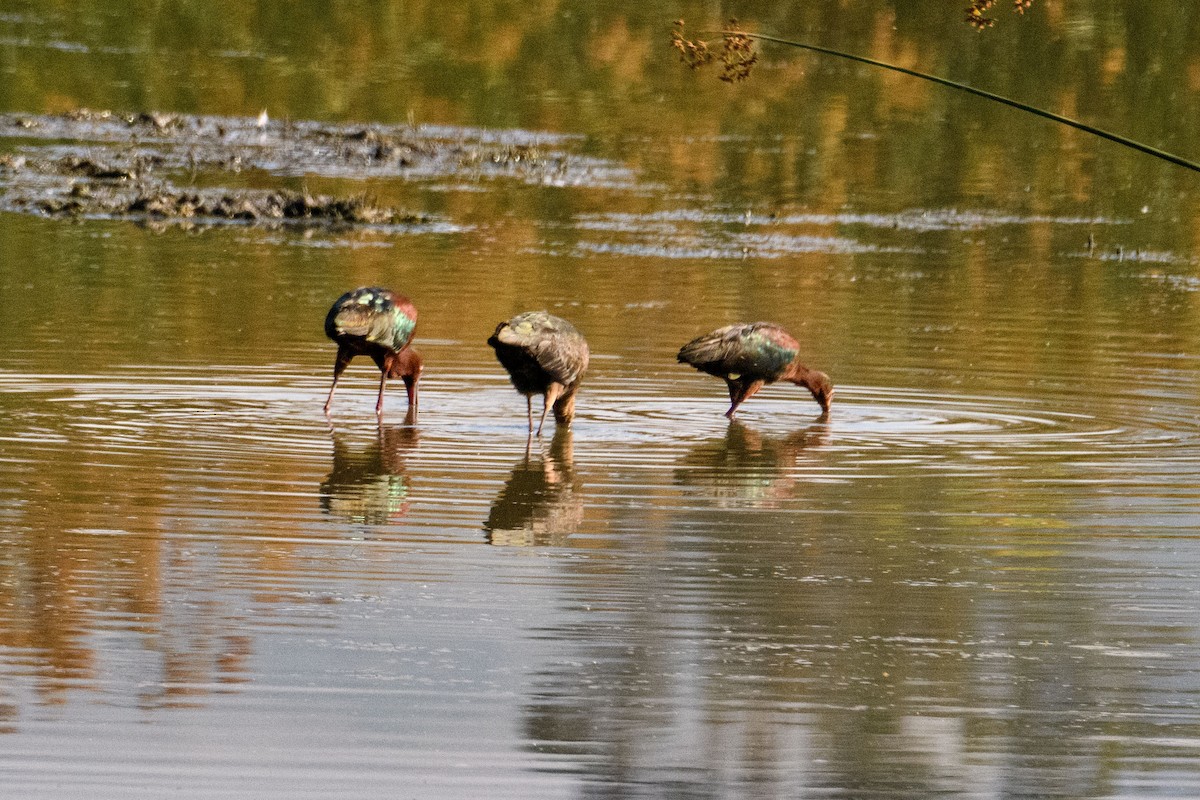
[(797, 373), (404, 364)]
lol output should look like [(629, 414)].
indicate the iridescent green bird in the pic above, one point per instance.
[(378, 323), (544, 355), (751, 355)]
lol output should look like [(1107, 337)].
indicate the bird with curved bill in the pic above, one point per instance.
[(377, 323), (544, 355), (749, 356)]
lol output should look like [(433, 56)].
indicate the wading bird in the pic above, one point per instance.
[(543, 355), (378, 323), (749, 356)]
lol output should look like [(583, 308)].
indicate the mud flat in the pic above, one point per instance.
[(100, 164)]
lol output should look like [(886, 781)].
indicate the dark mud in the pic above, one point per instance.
[(188, 168)]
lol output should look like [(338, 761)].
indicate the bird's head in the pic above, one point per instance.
[(822, 389)]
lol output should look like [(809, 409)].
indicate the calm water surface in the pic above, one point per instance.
[(978, 577)]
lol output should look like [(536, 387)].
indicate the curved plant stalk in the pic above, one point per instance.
[(1112, 137)]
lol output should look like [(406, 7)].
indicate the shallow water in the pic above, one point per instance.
[(977, 577)]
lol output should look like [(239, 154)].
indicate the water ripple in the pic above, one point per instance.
[(474, 424)]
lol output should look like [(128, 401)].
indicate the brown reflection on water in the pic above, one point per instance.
[(133, 511), (46, 615), (203, 651), (749, 467), (76, 571), (541, 503), (370, 485)]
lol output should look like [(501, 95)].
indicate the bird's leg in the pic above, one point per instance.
[(552, 393), (339, 366), (751, 389), (529, 412), (734, 390), (744, 391)]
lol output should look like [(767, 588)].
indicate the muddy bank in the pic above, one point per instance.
[(106, 196), (183, 167)]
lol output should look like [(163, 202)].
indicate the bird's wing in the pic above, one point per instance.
[(376, 318), (769, 348), (554, 343), (716, 350), (564, 357), (758, 349)]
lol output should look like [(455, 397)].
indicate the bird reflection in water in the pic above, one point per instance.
[(541, 503), (748, 468), (370, 485)]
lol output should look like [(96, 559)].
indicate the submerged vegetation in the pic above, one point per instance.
[(977, 12), (737, 54)]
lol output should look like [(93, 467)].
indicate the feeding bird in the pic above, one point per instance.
[(378, 323), (544, 355), (751, 355)]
